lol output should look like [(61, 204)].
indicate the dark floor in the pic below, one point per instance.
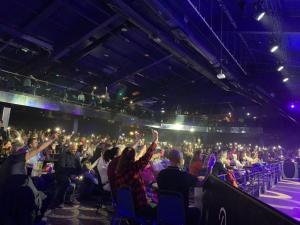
[(79, 215)]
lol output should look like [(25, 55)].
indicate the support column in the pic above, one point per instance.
[(5, 116), (75, 125)]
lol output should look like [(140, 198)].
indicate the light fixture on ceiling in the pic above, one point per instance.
[(274, 48), (260, 15), (146, 55), (284, 80), (25, 50), (124, 29), (221, 75), (280, 68)]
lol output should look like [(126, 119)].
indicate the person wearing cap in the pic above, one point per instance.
[(174, 179)]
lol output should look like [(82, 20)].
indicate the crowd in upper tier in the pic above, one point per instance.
[(49, 168)]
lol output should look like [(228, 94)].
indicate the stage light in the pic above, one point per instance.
[(248, 114), (292, 106), (95, 87), (274, 48), (131, 133), (57, 129), (146, 55), (162, 110), (177, 126), (124, 29), (285, 80), (131, 102), (280, 68)]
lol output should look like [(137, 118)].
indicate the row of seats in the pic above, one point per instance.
[(170, 209)]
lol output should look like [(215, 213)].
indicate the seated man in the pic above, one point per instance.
[(173, 179), (68, 167)]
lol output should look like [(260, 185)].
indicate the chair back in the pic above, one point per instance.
[(125, 204), (170, 209)]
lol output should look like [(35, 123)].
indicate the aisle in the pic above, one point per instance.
[(285, 197), (79, 215)]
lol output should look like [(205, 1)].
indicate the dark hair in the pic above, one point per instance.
[(127, 157), (196, 155), (30, 140)]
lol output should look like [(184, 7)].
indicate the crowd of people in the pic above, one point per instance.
[(45, 169)]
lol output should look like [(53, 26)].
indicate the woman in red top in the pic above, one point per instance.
[(128, 174), (196, 163)]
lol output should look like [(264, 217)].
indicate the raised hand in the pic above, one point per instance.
[(155, 136)]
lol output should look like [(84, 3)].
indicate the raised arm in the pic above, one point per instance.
[(144, 160), (32, 153)]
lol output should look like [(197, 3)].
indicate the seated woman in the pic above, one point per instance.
[(128, 174)]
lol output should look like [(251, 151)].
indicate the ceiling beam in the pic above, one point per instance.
[(116, 19), (35, 20)]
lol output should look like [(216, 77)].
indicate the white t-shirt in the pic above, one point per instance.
[(102, 169)]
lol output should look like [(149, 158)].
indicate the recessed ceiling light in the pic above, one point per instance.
[(260, 16), (25, 50), (274, 48), (285, 80), (280, 68)]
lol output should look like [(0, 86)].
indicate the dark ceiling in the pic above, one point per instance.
[(170, 51)]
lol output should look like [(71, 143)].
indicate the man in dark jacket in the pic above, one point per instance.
[(67, 168)]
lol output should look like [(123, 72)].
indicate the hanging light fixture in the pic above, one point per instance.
[(260, 15)]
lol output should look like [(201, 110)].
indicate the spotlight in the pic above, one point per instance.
[(95, 87), (292, 106), (285, 80), (131, 102), (248, 114), (221, 75), (260, 16), (280, 68), (274, 48)]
